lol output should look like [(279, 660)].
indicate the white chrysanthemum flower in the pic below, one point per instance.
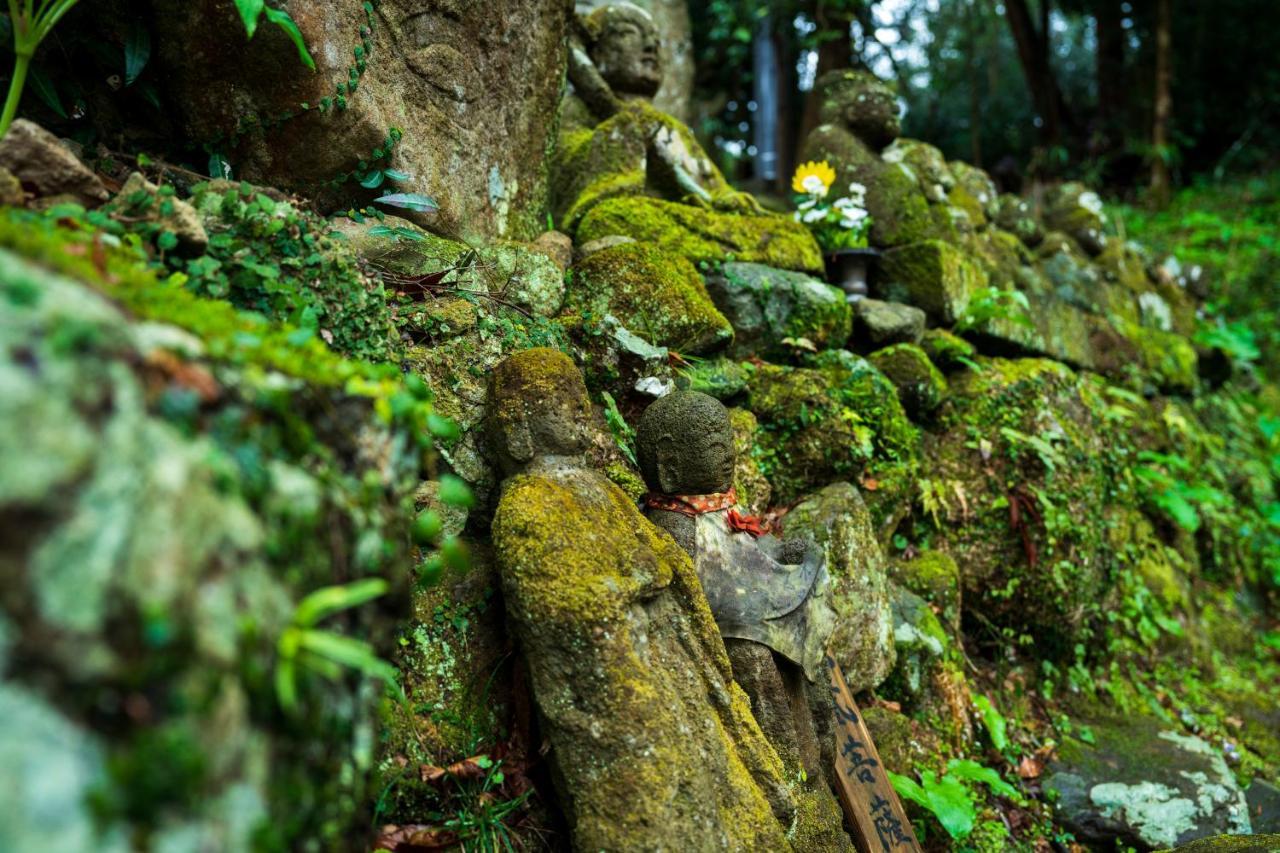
[(815, 186), (815, 215)]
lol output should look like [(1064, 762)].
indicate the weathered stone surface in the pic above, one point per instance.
[(653, 742), (862, 102), (44, 165), (170, 213), (557, 246), (1143, 783), (654, 293), (927, 164), (880, 324), (838, 520), (706, 235), (1231, 844), (772, 311), (11, 192), (1263, 798), (1076, 210), (472, 87), (134, 552), (933, 276), (921, 386), (946, 350), (979, 189), (895, 201)]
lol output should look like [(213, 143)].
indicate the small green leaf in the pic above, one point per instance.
[(373, 180), (46, 90), (443, 428), (282, 20), (137, 52), (455, 492), (330, 599), (167, 241), (410, 201), (250, 11), (995, 723), (974, 772), (427, 527)]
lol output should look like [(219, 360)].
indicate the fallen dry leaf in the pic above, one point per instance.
[(413, 837), (1030, 767)]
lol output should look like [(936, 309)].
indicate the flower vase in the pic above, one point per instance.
[(848, 270)]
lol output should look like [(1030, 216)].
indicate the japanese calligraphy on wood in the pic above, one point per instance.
[(870, 803)]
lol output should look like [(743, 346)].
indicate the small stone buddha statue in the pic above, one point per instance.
[(613, 141), (760, 588), (629, 675)]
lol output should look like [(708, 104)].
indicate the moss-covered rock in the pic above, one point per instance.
[(838, 520), (838, 420), (979, 190), (1028, 433), (1167, 359), (774, 312), (164, 512), (932, 275), (879, 324), (929, 676), (1018, 217), (654, 293), (749, 481), (946, 350), (703, 235), (935, 577), (921, 386), (927, 164), (1231, 844), (1145, 783), (898, 207), (1076, 210)]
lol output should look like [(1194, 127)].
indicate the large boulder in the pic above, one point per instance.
[(1076, 210), (1011, 504), (927, 164), (879, 324), (703, 235), (1144, 783), (776, 312), (459, 96), (1231, 844), (921, 386)]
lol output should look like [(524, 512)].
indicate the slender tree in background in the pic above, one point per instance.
[(1161, 151), (1034, 50), (1108, 21)]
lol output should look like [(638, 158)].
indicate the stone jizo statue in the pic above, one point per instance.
[(627, 669), (613, 141), (760, 588)]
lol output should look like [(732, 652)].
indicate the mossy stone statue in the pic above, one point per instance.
[(653, 744)]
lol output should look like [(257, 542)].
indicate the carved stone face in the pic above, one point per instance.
[(685, 445), (538, 407), (626, 49), (861, 102)]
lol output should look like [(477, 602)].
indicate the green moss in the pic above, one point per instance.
[(961, 198), (921, 386), (935, 577), (948, 351), (750, 482), (1231, 844), (772, 310), (653, 293), (837, 420), (702, 235), (934, 276), (1167, 358), (900, 213), (625, 478)]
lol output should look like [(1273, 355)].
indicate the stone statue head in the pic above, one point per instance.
[(538, 406), (624, 45), (861, 102), (685, 445)]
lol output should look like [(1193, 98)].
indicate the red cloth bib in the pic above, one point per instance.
[(695, 505)]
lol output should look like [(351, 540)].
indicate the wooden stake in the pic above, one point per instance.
[(870, 803)]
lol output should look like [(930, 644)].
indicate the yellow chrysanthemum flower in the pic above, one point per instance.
[(813, 178)]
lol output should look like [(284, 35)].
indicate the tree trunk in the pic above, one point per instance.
[(975, 101), (832, 54), (1110, 73), (1161, 181), (1033, 55)]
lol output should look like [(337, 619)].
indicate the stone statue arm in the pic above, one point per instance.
[(587, 82)]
